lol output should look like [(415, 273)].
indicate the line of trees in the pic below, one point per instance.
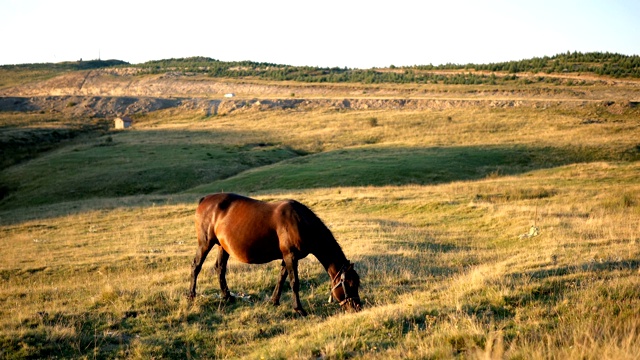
[(68, 65), (610, 64)]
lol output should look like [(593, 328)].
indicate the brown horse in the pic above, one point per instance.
[(256, 232)]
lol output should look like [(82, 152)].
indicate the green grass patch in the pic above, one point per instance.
[(122, 164), (26, 136), (380, 166)]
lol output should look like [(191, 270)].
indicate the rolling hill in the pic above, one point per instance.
[(488, 217)]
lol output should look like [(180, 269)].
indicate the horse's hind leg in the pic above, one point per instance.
[(275, 299), (201, 254), (292, 268), (221, 269)]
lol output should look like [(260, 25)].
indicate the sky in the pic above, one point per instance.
[(327, 33)]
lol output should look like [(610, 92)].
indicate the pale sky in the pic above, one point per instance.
[(327, 33)]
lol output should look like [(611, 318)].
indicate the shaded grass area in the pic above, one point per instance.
[(110, 167), (26, 136), (17, 146), (123, 164), (379, 166)]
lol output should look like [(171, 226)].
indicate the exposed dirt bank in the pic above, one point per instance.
[(113, 92), (109, 106), (127, 83)]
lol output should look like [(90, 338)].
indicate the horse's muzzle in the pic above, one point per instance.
[(351, 304)]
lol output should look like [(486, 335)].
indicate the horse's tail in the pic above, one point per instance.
[(205, 211)]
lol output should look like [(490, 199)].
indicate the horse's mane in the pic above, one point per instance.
[(313, 227)]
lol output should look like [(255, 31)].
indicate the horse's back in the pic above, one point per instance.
[(246, 228)]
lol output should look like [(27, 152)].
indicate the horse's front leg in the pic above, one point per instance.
[(221, 269), (275, 299), (291, 264)]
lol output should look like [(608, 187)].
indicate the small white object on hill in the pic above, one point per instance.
[(123, 122), (533, 231)]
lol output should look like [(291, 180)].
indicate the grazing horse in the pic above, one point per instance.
[(257, 232)]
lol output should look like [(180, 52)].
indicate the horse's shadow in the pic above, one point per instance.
[(314, 288), (384, 277)]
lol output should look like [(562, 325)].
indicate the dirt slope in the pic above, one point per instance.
[(112, 92)]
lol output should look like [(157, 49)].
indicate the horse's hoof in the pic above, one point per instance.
[(229, 298), (301, 312)]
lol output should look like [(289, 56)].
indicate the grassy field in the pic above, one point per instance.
[(97, 235)]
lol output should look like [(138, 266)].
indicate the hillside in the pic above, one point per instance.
[(486, 221), (108, 93), (113, 87)]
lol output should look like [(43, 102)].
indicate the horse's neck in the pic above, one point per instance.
[(332, 258)]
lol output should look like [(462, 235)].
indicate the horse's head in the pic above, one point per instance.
[(344, 288)]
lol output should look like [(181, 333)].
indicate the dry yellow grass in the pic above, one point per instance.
[(445, 272)]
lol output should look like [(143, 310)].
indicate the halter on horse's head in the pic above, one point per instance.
[(344, 288)]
